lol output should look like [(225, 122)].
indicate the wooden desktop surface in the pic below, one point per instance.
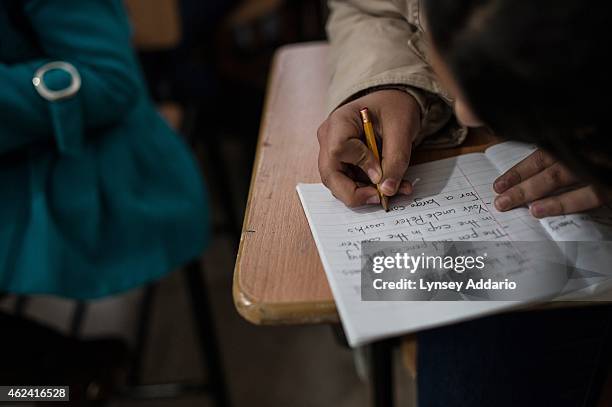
[(279, 278)]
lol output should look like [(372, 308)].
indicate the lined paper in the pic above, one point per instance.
[(452, 201)]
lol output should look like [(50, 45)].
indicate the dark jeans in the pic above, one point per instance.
[(545, 358)]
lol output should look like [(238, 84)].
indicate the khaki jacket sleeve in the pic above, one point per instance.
[(379, 44)]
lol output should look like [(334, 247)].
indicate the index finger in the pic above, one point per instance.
[(536, 162), (347, 190), (342, 186), (541, 184), (574, 201)]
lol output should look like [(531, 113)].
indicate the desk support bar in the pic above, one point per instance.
[(381, 371)]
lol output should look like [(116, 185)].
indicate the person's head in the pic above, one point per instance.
[(531, 70)]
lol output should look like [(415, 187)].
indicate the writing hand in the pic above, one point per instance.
[(346, 163), (536, 179)]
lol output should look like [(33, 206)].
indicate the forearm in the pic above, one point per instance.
[(374, 45)]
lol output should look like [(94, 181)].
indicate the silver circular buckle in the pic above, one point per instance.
[(53, 95)]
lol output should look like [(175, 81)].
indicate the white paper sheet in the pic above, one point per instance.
[(451, 201)]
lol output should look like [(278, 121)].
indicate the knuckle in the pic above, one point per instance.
[(335, 151), (558, 205), (351, 201), (539, 160), (322, 163), (518, 194), (513, 176), (401, 158), (324, 173), (325, 181), (604, 194), (396, 165), (553, 176), (362, 157), (336, 195), (598, 198), (322, 131)]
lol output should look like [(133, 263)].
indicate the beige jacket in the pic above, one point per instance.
[(380, 43)]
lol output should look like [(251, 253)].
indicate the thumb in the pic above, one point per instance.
[(396, 151)]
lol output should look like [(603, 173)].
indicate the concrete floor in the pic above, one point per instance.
[(265, 366)]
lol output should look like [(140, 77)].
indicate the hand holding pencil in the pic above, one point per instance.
[(370, 137), (349, 168)]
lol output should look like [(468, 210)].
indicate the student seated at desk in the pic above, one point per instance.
[(99, 195), (531, 71)]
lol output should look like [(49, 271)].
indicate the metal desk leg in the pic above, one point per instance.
[(206, 332), (78, 316), (380, 368), (142, 334), (381, 371)]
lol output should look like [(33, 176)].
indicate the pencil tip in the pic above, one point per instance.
[(385, 203)]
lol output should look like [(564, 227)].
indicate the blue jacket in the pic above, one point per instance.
[(98, 195)]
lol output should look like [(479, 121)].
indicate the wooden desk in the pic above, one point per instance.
[(279, 278)]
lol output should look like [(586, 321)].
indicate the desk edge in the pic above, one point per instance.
[(274, 313)]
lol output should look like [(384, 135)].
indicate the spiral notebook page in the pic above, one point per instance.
[(451, 200)]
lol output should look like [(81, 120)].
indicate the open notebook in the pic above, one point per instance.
[(452, 200)]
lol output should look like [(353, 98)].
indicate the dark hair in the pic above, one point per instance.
[(535, 71)]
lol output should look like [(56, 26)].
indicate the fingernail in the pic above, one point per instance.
[(374, 175), (502, 202), (537, 210), (501, 186), (389, 186), (374, 199)]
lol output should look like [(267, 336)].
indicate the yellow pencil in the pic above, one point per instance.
[(371, 141)]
